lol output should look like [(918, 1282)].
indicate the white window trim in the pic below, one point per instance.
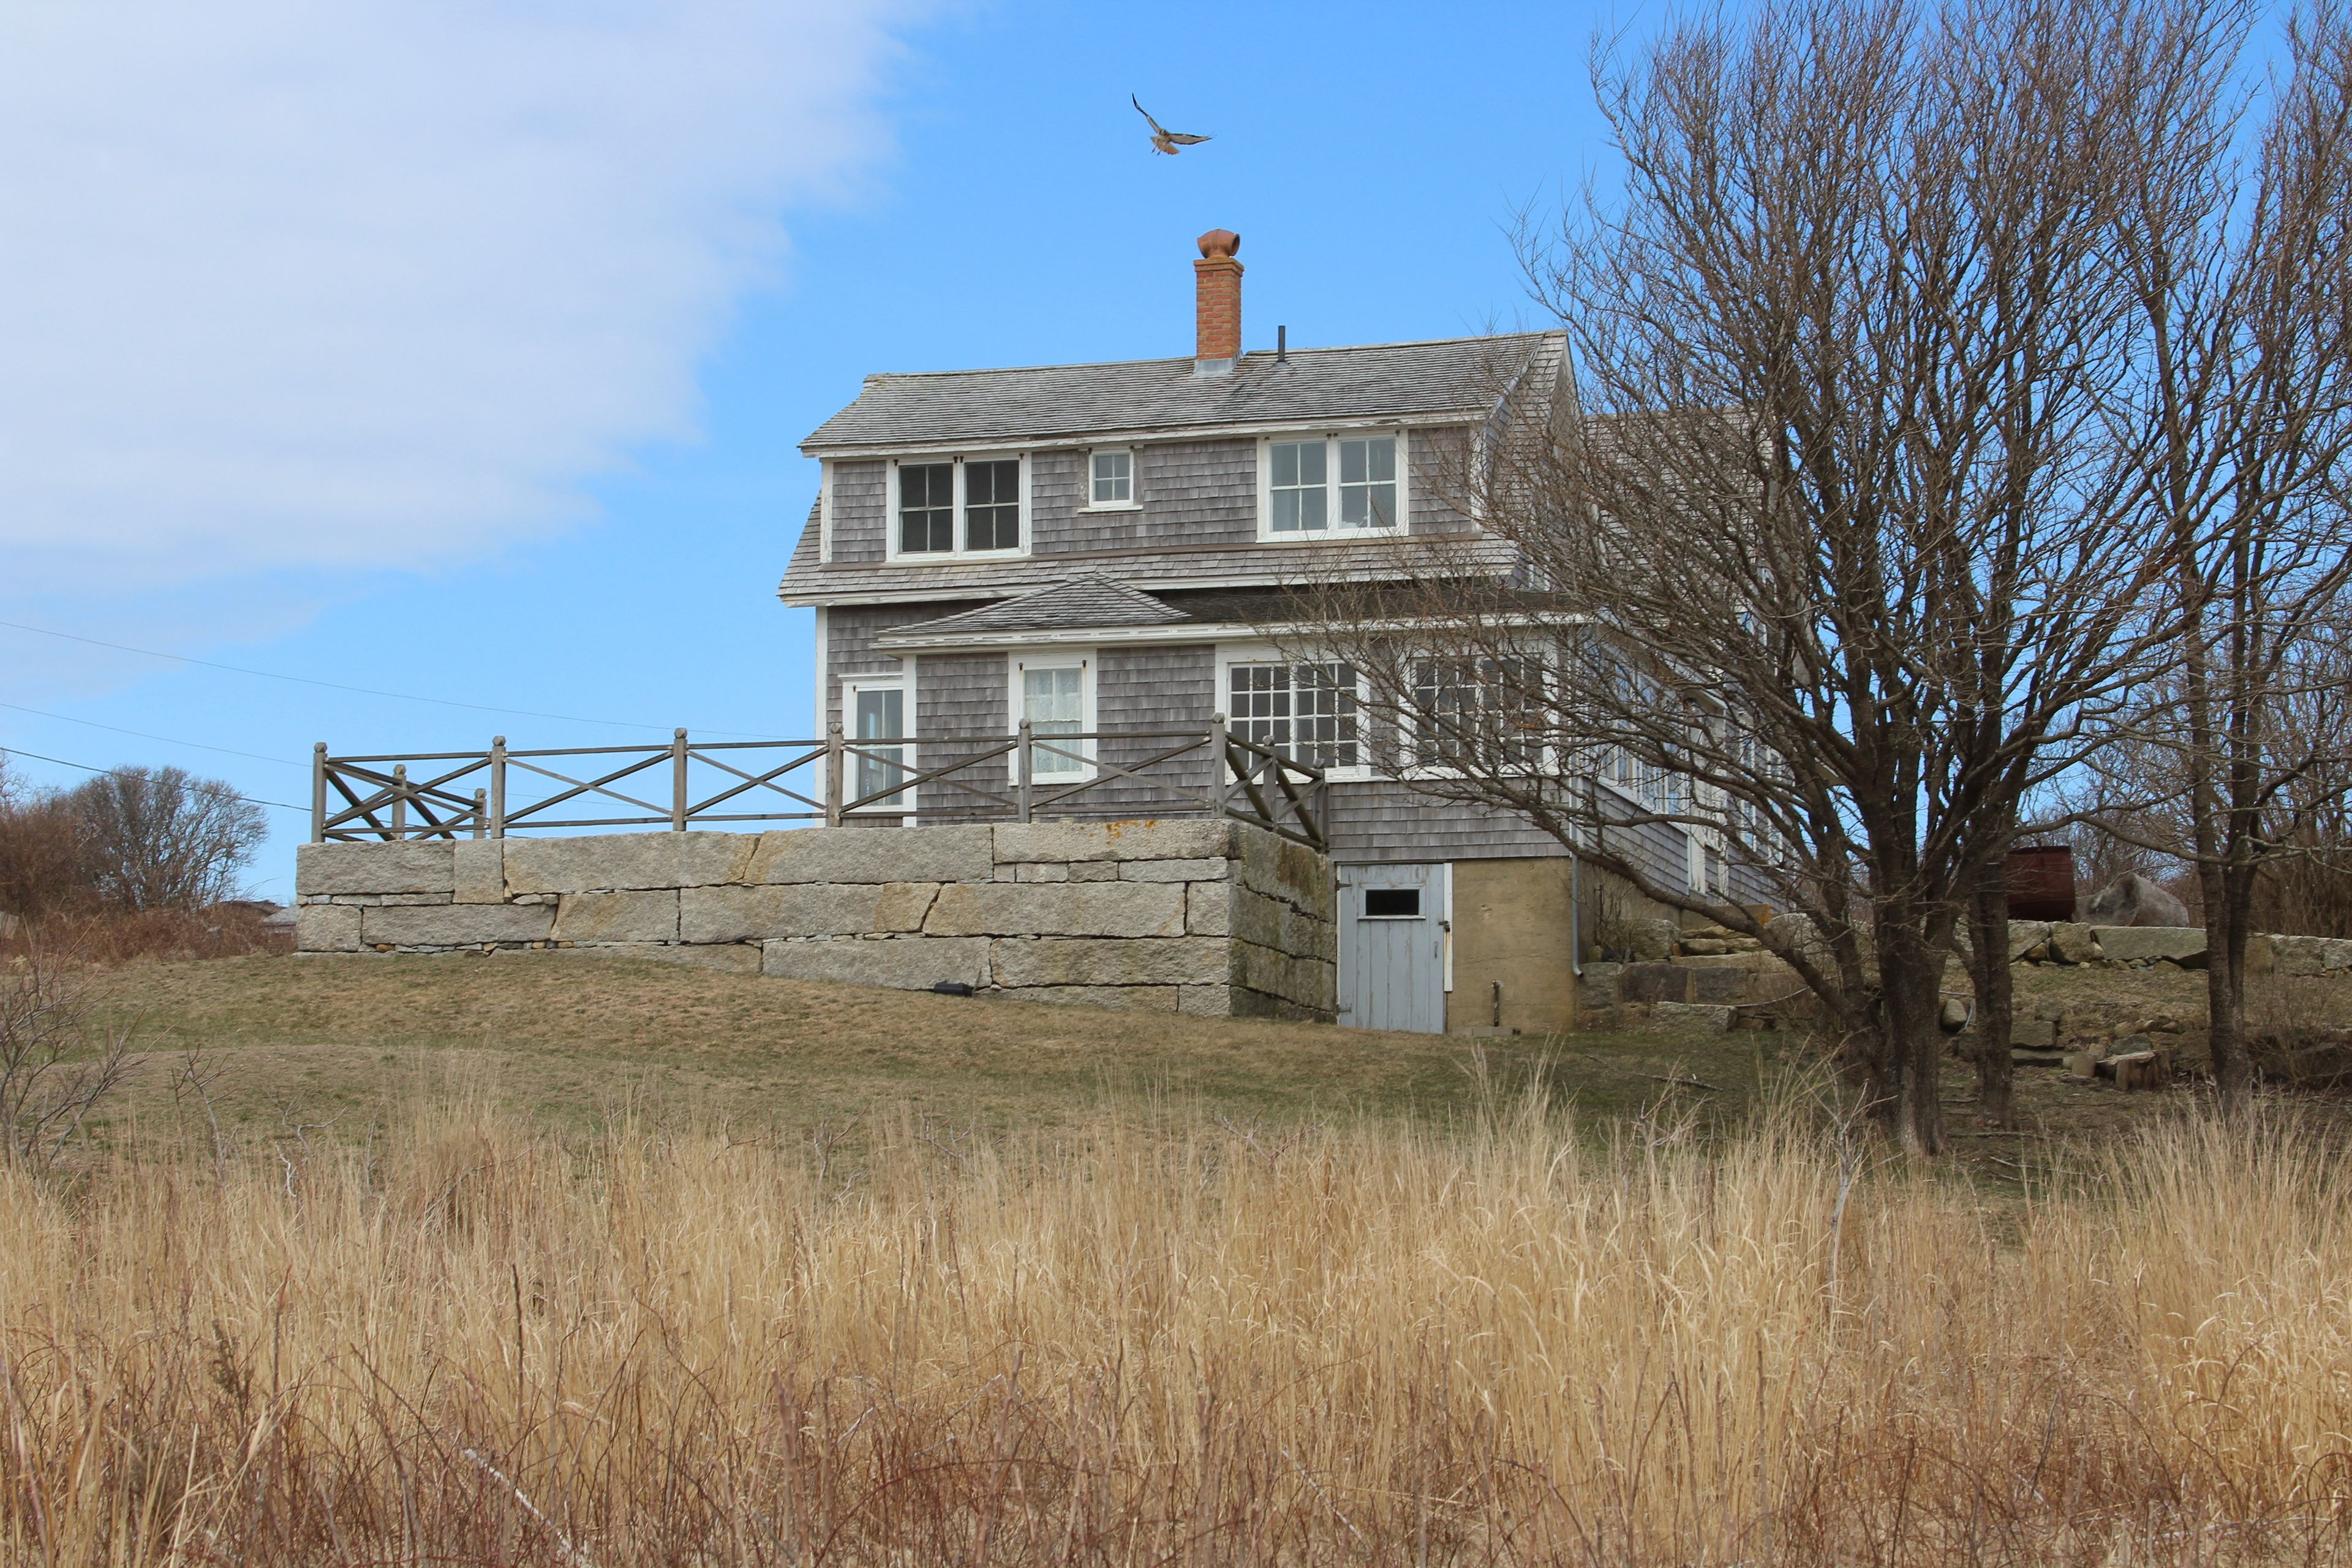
[(957, 551), (1331, 439), (1134, 501), (824, 510), (901, 681), (1232, 654), (1082, 659)]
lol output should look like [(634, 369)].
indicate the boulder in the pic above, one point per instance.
[(2072, 942), (1109, 960), (1690, 1015), (875, 853), (2135, 944), (631, 917), (2131, 899), (1058, 908), (902, 963), (397, 868), (758, 913), (479, 871), (1148, 840), (605, 862), (327, 928), (1955, 1014), (455, 925), (1655, 982)]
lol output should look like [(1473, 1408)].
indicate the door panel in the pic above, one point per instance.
[(1393, 947)]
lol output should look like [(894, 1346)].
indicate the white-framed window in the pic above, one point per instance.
[(1309, 711), (876, 711), (1341, 485), (1055, 695), (944, 507), (1112, 479), (1480, 712)]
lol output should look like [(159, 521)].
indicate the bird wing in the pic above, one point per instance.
[(1146, 113), (1179, 136)]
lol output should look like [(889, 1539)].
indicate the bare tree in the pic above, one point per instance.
[(2244, 280), (57, 1061), (1847, 551), (155, 838)]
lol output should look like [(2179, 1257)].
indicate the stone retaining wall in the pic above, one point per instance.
[(1207, 917)]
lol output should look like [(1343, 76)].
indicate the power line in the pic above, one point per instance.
[(143, 735), (20, 751), (337, 686)]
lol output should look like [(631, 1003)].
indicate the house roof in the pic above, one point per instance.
[(1089, 600), (1381, 380)]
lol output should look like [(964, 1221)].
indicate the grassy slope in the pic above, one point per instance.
[(572, 1037)]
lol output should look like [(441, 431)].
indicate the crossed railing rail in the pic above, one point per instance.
[(488, 794)]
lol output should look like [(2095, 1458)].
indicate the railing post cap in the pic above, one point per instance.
[(678, 734), (497, 740), (321, 748)]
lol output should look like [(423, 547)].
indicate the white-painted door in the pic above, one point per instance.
[(1392, 930)]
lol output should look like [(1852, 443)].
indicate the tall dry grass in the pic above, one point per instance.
[(466, 1343)]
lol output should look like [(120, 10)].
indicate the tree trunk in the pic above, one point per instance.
[(1995, 995), (1911, 1006), (2228, 899)]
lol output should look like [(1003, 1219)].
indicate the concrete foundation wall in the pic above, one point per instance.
[(1205, 918), (1514, 924)]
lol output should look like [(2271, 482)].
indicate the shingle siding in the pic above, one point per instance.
[(1162, 689), (1435, 457), (960, 705), (860, 503), (1199, 493), (1059, 488), (850, 632), (1381, 821)]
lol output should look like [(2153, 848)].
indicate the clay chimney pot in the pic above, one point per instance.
[(1220, 242)]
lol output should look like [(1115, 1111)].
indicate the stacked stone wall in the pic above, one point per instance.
[(1207, 917)]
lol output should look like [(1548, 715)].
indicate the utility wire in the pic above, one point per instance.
[(143, 735), (20, 751), (361, 690)]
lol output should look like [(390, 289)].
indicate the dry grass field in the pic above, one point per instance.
[(574, 1263)]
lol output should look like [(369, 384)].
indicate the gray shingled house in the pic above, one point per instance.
[(1096, 548)]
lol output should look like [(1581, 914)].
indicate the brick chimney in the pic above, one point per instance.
[(1217, 303)]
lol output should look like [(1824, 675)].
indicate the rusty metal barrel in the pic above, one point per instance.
[(2042, 883)]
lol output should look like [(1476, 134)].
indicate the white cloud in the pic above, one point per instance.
[(304, 285)]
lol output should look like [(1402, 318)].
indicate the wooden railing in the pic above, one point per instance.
[(488, 794)]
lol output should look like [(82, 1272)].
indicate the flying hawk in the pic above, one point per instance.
[(1163, 141)]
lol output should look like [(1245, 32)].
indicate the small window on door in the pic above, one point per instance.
[(1392, 903)]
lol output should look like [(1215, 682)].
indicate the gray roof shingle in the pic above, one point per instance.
[(1384, 381), (1087, 601)]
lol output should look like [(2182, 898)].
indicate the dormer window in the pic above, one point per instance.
[(1318, 486), (968, 506)]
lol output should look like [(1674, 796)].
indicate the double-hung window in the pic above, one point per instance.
[(1307, 712), (969, 506), (1331, 485), (1478, 712)]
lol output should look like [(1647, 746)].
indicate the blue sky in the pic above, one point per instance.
[(462, 352)]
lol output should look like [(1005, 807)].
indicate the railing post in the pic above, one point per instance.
[(833, 775), (497, 787), (1222, 765), (678, 782), (400, 802), (1028, 767), (318, 793), (481, 813)]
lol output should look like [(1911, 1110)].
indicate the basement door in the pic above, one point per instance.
[(1393, 935)]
